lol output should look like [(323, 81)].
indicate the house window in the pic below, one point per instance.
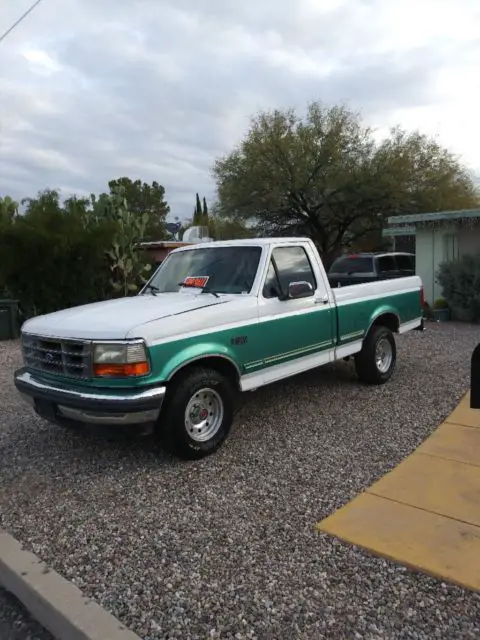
[(450, 248)]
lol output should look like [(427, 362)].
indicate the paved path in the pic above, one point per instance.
[(425, 513)]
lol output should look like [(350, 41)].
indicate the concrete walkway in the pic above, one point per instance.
[(425, 514)]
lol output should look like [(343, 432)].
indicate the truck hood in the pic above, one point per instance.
[(114, 319)]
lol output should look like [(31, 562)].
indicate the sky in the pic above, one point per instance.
[(157, 89)]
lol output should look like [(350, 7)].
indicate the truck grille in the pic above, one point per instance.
[(70, 358)]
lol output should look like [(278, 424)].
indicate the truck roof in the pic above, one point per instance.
[(248, 242)]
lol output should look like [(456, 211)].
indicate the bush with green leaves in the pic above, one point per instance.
[(50, 259), (57, 255), (440, 303), (460, 282)]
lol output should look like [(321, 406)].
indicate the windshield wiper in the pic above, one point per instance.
[(197, 286), (152, 288)]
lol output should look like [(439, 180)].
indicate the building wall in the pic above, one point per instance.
[(432, 247), (425, 250), (158, 254), (469, 241)]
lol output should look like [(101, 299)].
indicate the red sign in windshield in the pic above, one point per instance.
[(199, 282)]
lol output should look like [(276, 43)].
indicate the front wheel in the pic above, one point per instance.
[(376, 361), (198, 414)]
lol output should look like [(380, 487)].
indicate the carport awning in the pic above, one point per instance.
[(398, 231)]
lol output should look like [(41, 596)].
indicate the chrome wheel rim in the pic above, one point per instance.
[(204, 415), (383, 355)]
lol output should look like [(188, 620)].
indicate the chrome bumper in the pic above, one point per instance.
[(102, 407)]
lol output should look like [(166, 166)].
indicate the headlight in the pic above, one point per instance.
[(120, 359)]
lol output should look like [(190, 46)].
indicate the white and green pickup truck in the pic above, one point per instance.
[(215, 319)]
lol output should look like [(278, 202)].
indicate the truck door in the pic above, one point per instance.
[(295, 334)]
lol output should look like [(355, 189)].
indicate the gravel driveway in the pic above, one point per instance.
[(226, 547)]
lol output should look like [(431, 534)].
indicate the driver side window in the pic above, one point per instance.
[(292, 265), (271, 288)]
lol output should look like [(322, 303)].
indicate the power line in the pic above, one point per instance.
[(22, 17)]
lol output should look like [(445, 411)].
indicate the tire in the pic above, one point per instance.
[(370, 368), (183, 430)]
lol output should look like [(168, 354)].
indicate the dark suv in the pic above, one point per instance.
[(369, 267)]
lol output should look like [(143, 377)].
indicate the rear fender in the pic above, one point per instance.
[(386, 315)]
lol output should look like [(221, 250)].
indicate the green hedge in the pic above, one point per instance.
[(460, 282)]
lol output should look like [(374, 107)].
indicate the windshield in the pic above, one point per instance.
[(218, 269), (352, 264)]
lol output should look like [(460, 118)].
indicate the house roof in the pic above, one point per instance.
[(437, 216)]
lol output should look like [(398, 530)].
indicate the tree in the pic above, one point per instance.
[(231, 229), (200, 213), (324, 176), (8, 208), (144, 198), (51, 259), (197, 214)]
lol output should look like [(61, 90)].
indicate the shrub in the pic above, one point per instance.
[(57, 268), (460, 282), (51, 259), (440, 303), (55, 256)]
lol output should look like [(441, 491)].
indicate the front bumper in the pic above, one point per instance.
[(65, 405)]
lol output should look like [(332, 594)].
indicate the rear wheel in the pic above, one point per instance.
[(376, 361), (198, 414)]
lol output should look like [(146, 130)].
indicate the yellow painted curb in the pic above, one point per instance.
[(465, 416), (425, 514)]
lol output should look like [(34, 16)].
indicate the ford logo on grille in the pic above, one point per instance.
[(50, 357)]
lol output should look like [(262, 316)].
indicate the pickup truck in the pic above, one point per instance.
[(215, 319)]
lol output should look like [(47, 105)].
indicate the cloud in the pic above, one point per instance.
[(157, 89)]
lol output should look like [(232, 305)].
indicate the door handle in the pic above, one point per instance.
[(322, 300)]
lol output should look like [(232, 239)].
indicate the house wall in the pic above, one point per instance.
[(432, 247), (426, 250), (158, 254), (469, 241)]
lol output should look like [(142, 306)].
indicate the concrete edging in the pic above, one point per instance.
[(56, 603)]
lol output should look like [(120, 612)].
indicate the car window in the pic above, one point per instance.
[(386, 264), (405, 263), (227, 269), (352, 264), (293, 265), (271, 288)]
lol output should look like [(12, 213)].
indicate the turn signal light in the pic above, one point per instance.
[(121, 370)]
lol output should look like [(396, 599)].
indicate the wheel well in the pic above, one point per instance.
[(388, 320), (223, 365)]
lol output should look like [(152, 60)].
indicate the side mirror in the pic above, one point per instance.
[(301, 289)]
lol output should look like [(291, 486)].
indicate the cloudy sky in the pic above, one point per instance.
[(156, 89)]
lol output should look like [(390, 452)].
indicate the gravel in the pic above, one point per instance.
[(226, 547), (16, 623)]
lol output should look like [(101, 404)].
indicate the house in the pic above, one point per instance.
[(159, 250), (439, 237)]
